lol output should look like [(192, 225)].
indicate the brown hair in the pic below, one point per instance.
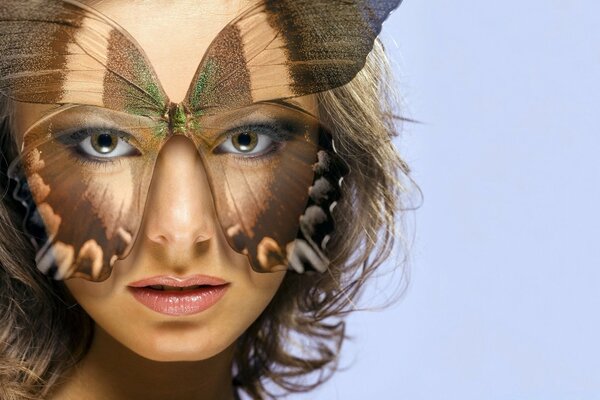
[(43, 332)]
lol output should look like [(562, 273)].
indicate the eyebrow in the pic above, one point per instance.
[(51, 112), (292, 103)]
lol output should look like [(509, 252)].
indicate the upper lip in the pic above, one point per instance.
[(166, 280)]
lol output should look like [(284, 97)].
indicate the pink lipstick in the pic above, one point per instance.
[(177, 296)]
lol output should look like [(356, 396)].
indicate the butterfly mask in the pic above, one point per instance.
[(84, 168)]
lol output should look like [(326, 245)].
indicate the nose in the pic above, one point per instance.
[(179, 211)]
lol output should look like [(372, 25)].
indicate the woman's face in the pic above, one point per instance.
[(180, 236)]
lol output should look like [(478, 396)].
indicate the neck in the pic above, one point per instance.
[(112, 371)]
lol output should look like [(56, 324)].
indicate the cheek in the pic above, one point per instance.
[(103, 301), (88, 292), (260, 206), (249, 299)]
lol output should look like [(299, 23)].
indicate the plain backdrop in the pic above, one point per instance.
[(505, 275)]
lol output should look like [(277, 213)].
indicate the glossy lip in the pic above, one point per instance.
[(167, 280), (179, 303)]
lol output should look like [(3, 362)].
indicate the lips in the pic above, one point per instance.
[(165, 280), (177, 296), (177, 288)]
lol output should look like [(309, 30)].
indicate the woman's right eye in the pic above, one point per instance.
[(104, 143)]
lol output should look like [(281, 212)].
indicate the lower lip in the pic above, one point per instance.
[(177, 303)]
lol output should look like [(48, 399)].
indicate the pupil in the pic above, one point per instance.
[(245, 141), (104, 140), (103, 143)]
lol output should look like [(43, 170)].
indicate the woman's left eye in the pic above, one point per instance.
[(251, 141), (105, 144)]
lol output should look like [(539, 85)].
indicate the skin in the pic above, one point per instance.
[(137, 353)]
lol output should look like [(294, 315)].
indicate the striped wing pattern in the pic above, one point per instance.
[(287, 48), (62, 52)]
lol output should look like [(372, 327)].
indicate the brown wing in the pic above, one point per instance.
[(59, 52), (287, 48)]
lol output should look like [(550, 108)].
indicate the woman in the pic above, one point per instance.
[(148, 224)]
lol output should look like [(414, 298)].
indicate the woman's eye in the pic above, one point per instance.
[(105, 144), (248, 141)]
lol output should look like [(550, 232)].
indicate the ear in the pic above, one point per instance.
[(58, 52), (287, 48)]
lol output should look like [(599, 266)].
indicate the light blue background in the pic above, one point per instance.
[(505, 274)]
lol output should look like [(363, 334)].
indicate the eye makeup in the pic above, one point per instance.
[(82, 147), (250, 142)]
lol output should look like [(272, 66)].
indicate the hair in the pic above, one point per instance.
[(44, 333)]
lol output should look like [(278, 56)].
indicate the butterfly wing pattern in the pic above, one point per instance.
[(287, 48), (64, 53), (277, 50), (69, 56)]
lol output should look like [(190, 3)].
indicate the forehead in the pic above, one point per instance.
[(173, 34)]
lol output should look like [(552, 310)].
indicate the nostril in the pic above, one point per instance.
[(174, 237), (204, 236), (158, 238)]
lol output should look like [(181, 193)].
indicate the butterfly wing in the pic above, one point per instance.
[(59, 52), (93, 77), (282, 49), (287, 48)]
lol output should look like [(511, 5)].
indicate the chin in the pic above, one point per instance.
[(167, 354), (175, 343)]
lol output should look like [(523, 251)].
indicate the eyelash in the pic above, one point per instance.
[(94, 163), (75, 139), (275, 132)]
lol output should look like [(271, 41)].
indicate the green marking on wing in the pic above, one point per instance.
[(161, 130), (195, 124), (154, 91), (203, 81), (152, 103)]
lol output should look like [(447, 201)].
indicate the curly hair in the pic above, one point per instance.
[(44, 333)]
